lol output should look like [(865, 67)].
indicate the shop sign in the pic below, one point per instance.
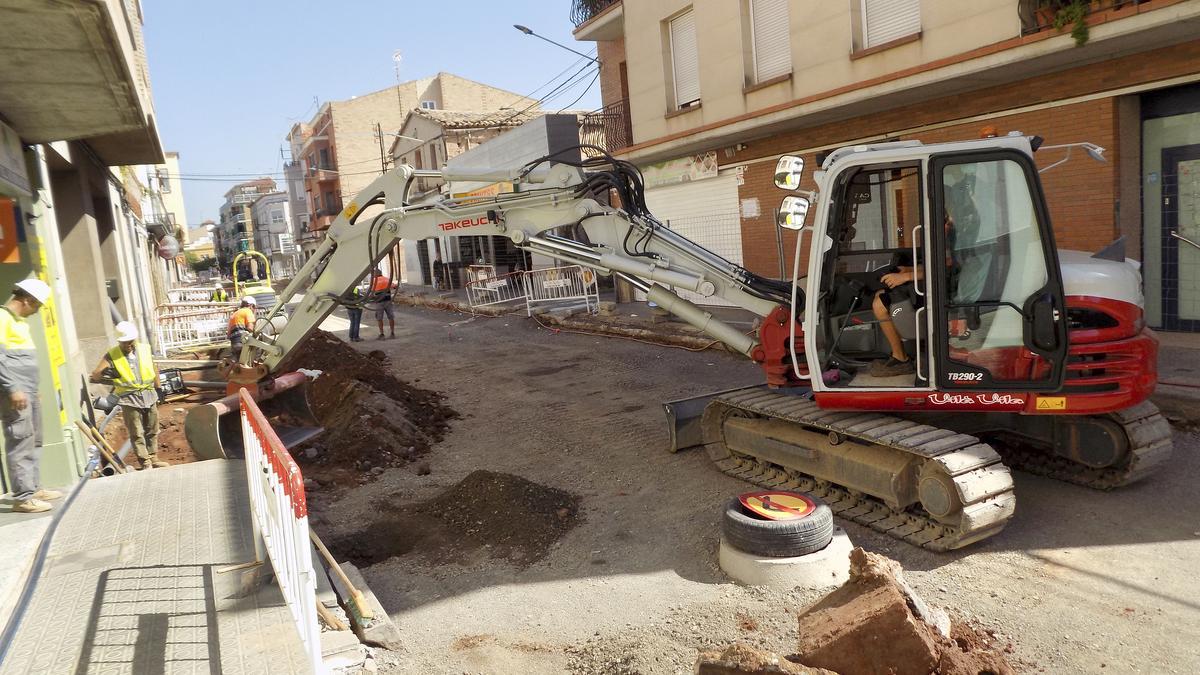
[(681, 170), (14, 179)]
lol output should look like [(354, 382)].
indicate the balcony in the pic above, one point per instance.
[(597, 20), (322, 174), (608, 127), (1069, 16)]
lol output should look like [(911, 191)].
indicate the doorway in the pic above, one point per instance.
[(1180, 208)]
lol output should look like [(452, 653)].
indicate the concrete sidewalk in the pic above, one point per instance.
[(130, 584), (1178, 390)]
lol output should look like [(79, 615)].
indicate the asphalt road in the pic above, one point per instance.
[(1080, 580)]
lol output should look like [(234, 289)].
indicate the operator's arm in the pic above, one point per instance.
[(97, 375)]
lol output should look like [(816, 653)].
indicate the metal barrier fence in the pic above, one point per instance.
[(496, 290), (182, 325), (560, 284), (189, 294), (280, 517)]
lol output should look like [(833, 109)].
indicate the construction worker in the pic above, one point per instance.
[(134, 375), (219, 294), (241, 324), (381, 299), (354, 310), (22, 412)]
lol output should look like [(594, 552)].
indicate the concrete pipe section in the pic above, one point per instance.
[(828, 567)]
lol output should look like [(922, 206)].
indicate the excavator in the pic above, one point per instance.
[(1019, 356)]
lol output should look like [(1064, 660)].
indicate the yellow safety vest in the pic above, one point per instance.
[(125, 381), (219, 296), (14, 333)]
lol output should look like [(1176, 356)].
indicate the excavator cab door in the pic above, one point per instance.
[(999, 311)]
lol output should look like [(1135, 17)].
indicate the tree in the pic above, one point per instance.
[(199, 264)]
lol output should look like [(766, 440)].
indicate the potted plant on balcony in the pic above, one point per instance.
[(1063, 13)]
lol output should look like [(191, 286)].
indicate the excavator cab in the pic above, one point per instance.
[(947, 259)]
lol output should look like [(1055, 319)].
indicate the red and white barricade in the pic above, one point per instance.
[(280, 516)]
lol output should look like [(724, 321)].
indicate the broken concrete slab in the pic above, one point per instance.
[(341, 649), (607, 308), (876, 623), (378, 631), (746, 660)]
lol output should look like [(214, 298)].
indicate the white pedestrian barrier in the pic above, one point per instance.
[(280, 517), (183, 325), (495, 290), (190, 294), (555, 285)]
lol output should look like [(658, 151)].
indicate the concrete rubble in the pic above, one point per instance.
[(874, 623)]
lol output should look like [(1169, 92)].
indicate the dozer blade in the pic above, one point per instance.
[(214, 430), (683, 417)]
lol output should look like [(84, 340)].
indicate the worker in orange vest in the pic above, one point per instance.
[(381, 300), (241, 324)]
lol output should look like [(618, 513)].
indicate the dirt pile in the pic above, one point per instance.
[(502, 515), (372, 419), (875, 623)]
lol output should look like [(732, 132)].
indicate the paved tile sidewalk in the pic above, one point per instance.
[(131, 583)]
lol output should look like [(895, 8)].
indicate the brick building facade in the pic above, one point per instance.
[(1137, 78)]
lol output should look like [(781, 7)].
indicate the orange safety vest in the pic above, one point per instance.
[(381, 283), (243, 318)]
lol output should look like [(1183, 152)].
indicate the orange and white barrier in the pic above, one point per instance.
[(280, 517)]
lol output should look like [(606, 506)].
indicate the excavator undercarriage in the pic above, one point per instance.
[(909, 476)]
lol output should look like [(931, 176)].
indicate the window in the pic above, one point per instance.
[(324, 158), (886, 20), (685, 64), (769, 39), (164, 181), (330, 203), (429, 105)]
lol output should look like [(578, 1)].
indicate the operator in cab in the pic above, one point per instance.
[(130, 368), (241, 324)]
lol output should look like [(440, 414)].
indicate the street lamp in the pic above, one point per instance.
[(528, 31)]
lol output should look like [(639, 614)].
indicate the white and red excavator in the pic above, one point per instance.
[(932, 336)]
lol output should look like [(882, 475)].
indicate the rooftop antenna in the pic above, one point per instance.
[(397, 59)]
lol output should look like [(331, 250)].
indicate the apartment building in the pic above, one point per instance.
[(271, 214), (235, 232), (343, 147), (710, 93), (459, 140), (170, 190), (75, 100)]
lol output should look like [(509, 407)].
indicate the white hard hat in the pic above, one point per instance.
[(126, 332), (249, 300), (36, 288)]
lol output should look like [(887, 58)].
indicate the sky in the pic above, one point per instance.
[(231, 77)]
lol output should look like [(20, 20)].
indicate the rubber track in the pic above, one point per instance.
[(1149, 435), (983, 481)]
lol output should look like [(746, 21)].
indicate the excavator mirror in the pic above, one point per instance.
[(792, 213), (788, 170)]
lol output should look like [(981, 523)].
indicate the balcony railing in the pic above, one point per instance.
[(608, 127), (582, 10), (1069, 16)]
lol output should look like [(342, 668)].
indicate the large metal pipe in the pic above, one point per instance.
[(701, 319)]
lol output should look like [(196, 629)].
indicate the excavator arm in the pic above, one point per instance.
[(557, 212)]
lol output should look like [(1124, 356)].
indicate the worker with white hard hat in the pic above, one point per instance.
[(219, 294), (22, 412), (130, 367), (241, 324)]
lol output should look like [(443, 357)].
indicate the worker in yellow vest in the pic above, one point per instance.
[(219, 294), (19, 403), (131, 368)]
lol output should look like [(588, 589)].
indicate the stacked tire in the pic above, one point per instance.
[(747, 532)]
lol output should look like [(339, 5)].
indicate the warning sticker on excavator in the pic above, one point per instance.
[(776, 505), (350, 210), (1052, 403)]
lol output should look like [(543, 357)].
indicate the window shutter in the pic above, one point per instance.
[(772, 43), (684, 62), (887, 20)]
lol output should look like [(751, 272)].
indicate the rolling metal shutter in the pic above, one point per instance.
[(685, 65), (772, 43), (705, 211), (887, 20)]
